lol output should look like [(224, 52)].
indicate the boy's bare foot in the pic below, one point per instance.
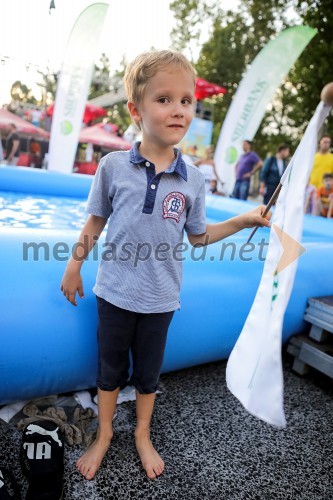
[(150, 459), (90, 461)]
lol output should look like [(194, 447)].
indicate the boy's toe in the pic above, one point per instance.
[(89, 475), (150, 472)]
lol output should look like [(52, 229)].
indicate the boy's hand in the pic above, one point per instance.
[(70, 284), (254, 217)]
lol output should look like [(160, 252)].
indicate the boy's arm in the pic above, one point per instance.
[(71, 281), (221, 230)]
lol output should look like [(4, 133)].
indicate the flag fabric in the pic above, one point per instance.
[(73, 87), (254, 93), (254, 370)]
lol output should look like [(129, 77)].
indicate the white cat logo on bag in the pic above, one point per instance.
[(173, 206)]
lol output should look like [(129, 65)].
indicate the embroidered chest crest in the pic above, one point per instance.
[(173, 206)]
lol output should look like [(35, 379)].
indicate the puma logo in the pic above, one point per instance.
[(36, 429)]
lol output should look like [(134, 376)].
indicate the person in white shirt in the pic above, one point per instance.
[(207, 167)]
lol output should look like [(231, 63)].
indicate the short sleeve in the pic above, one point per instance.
[(99, 201), (196, 216)]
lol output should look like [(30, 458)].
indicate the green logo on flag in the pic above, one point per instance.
[(66, 127), (231, 154)]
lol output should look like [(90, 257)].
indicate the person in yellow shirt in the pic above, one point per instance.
[(323, 161)]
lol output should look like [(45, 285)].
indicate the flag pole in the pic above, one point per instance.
[(327, 97), (271, 202)]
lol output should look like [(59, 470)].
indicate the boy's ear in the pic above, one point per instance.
[(134, 112)]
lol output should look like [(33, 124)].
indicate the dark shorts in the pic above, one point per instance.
[(121, 331)]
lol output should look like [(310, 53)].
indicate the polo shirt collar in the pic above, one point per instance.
[(178, 165)]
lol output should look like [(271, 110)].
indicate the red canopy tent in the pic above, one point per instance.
[(204, 89), (91, 112), (23, 127), (102, 134)]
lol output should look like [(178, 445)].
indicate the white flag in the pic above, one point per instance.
[(254, 370), (254, 92), (73, 87)]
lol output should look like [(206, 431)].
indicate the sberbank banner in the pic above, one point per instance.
[(73, 86), (254, 93)]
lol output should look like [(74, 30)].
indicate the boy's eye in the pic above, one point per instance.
[(186, 100), (163, 100)]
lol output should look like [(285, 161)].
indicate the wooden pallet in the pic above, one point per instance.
[(316, 349)]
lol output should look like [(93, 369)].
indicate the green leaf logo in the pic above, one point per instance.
[(66, 127), (231, 154)]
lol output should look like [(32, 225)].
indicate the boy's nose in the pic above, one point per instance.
[(177, 112)]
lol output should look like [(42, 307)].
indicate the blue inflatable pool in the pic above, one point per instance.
[(48, 346)]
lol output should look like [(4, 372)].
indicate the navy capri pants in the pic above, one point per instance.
[(121, 331)]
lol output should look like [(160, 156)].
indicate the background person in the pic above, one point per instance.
[(35, 117), (272, 171), (323, 161), (324, 195), (206, 166), (12, 145), (35, 151), (213, 188), (1, 150), (310, 200), (247, 165)]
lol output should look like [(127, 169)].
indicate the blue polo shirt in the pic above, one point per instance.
[(141, 265)]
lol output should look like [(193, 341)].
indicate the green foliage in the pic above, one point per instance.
[(314, 67), (189, 16), (20, 92), (101, 79), (119, 115), (235, 39), (48, 86), (222, 61)]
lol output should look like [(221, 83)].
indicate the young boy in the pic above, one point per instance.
[(325, 196), (151, 196)]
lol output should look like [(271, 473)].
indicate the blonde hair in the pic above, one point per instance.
[(146, 65)]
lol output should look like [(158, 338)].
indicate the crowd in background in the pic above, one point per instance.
[(319, 192)]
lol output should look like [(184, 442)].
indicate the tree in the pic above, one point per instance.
[(101, 79), (48, 86), (222, 60), (118, 113), (21, 92), (190, 15), (314, 67), (235, 39)]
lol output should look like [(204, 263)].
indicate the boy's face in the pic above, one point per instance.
[(167, 108)]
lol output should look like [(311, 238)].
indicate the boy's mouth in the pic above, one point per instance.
[(176, 125)]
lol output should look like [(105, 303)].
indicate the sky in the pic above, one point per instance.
[(31, 38)]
